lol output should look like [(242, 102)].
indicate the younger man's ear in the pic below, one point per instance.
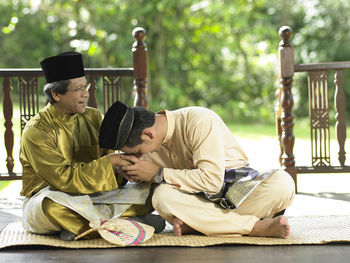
[(147, 132)]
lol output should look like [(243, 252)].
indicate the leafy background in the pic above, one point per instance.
[(220, 54)]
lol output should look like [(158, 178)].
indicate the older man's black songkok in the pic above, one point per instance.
[(116, 126), (64, 66)]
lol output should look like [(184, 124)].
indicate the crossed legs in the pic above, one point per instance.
[(188, 212), (69, 220)]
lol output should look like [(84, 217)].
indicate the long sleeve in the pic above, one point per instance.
[(196, 150), (63, 152), (47, 162)]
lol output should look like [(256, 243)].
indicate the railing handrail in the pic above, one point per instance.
[(15, 72), (322, 66), (318, 80)]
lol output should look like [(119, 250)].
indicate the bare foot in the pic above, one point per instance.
[(180, 228), (271, 227)]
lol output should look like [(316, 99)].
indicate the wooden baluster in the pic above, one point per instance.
[(28, 98), (8, 112), (92, 92), (278, 112), (139, 51), (340, 126), (286, 57), (110, 90)]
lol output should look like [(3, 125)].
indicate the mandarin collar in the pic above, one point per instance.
[(171, 126), (59, 115)]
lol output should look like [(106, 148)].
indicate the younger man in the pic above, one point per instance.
[(192, 154)]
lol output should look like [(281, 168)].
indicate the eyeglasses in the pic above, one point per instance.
[(81, 89)]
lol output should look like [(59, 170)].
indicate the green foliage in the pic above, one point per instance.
[(4, 184), (220, 54), (321, 36)]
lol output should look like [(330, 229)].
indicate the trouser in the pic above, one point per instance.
[(70, 220), (273, 195)]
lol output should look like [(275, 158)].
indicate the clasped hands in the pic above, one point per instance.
[(133, 169)]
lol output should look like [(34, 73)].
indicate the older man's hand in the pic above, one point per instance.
[(116, 159)]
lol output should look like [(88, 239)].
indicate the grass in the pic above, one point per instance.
[(4, 184), (252, 131), (261, 130), (257, 131), (301, 128)]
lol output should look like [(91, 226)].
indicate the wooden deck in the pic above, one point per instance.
[(309, 203)]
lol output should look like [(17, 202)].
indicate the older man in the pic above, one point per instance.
[(205, 183), (68, 180)]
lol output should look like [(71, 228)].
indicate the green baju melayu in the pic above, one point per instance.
[(62, 161)]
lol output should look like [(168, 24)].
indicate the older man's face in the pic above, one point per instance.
[(75, 99)]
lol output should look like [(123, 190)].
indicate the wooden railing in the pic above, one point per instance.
[(28, 81), (318, 111)]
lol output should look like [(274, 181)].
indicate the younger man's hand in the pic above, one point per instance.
[(139, 170)]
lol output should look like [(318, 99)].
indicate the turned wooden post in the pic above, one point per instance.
[(92, 92), (286, 57), (139, 51), (278, 112), (8, 112), (340, 126)]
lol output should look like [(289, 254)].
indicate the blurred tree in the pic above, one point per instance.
[(216, 53), (321, 34)]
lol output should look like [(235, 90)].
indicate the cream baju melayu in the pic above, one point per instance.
[(195, 153)]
